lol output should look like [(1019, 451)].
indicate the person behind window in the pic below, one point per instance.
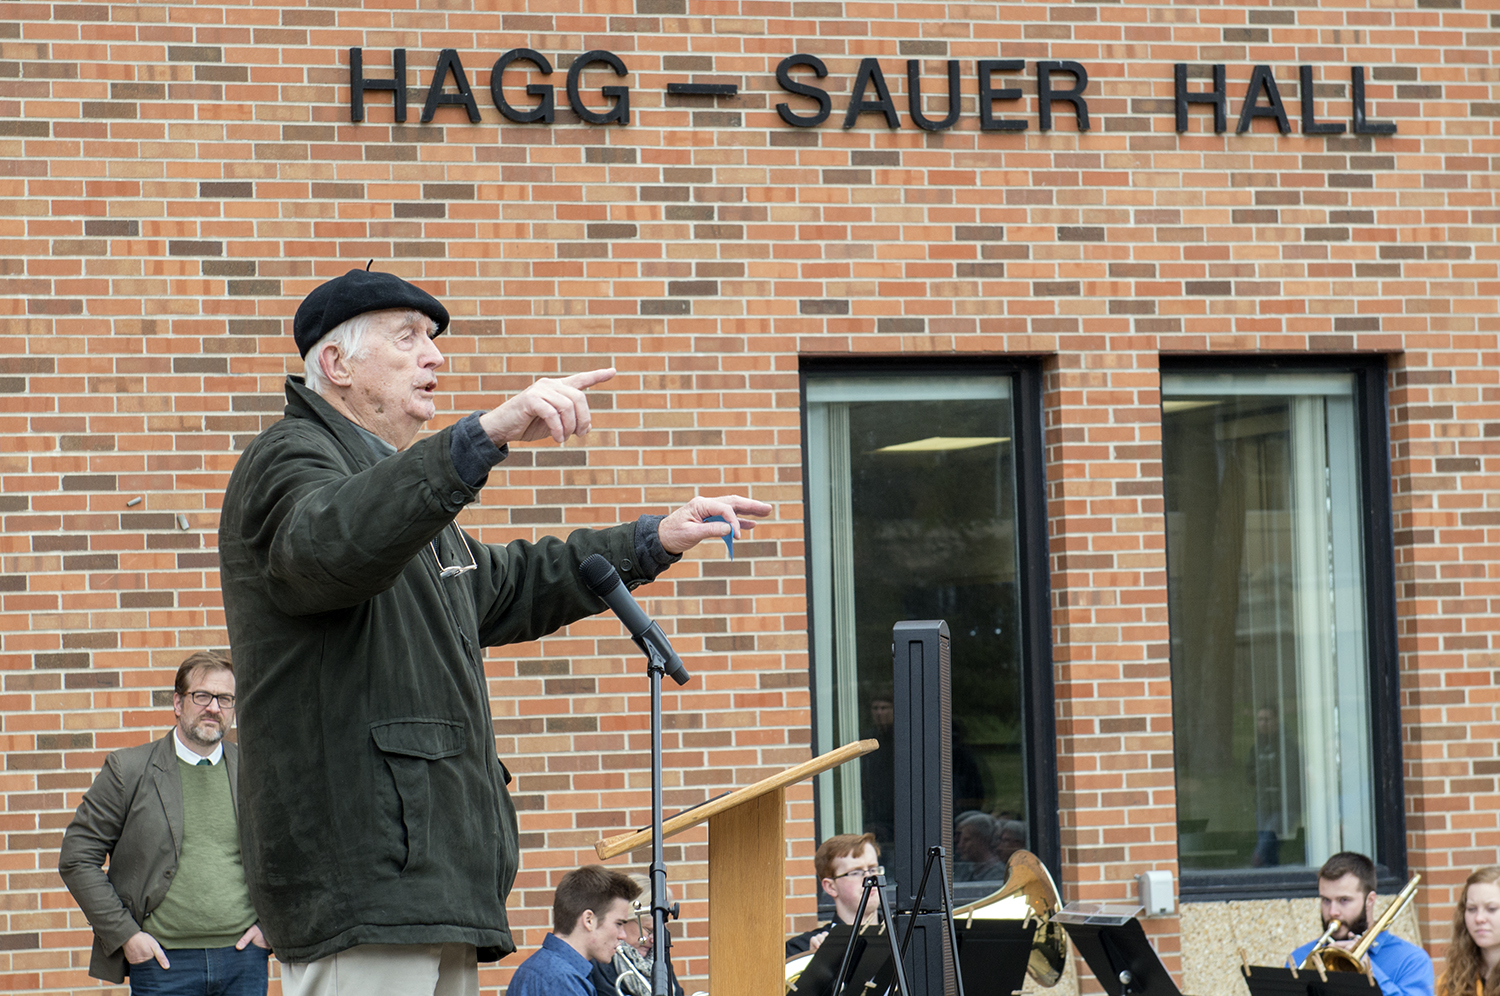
[(1012, 839), (1346, 887), (877, 770), (968, 780), (842, 862), (1273, 761), (1474, 953), (976, 842)]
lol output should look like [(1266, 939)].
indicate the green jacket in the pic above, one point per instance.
[(373, 808), (132, 815)]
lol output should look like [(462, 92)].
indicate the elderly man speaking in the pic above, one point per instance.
[(378, 838)]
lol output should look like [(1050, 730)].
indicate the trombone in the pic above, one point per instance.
[(1336, 959)]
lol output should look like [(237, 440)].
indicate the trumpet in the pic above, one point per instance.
[(1336, 959), (632, 971)]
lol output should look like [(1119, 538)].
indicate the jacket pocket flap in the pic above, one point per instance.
[(428, 738)]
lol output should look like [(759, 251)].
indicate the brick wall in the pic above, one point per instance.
[(175, 177)]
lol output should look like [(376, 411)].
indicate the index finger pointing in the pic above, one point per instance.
[(588, 378)]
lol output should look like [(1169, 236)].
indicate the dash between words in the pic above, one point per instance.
[(1056, 81)]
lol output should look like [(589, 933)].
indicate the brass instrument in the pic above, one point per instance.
[(1028, 894), (1322, 942), (1335, 959), (632, 971), (794, 966)]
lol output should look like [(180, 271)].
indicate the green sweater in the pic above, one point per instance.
[(208, 905)]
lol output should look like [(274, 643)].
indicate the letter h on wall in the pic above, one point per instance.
[(358, 83)]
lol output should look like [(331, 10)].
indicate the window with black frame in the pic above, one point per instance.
[(1278, 582), (917, 509)]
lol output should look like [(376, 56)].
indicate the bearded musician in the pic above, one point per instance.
[(1346, 889)]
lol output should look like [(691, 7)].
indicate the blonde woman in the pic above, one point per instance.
[(1474, 954)]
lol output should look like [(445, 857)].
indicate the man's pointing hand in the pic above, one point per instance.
[(553, 407)]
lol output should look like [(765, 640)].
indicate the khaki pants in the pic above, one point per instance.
[(387, 970)]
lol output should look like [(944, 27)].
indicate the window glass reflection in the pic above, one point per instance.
[(912, 516), (1266, 601)]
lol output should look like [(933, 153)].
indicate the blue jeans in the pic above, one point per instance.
[(203, 972)]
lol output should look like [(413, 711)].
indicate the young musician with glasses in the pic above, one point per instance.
[(172, 912), (842, 863)]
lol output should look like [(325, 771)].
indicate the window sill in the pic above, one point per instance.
[(1269, 883)]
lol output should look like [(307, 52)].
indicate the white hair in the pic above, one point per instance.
[(985, 825), (644, 881), (348, 336)]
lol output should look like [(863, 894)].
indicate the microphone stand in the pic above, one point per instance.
[(660, 912), (601, 578)]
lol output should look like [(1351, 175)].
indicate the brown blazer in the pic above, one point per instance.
[(132, 815)]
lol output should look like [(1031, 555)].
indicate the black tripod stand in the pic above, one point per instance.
[(873, 884)]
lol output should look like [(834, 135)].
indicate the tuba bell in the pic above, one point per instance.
[(1028, 893)]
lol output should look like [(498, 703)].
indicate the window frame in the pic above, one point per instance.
[(1372, 437), (1033, 568)]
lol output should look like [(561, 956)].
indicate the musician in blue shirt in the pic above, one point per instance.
[(1346, 888), (589, 912)]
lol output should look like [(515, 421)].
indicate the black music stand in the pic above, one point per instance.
[(1111, 940), (1343, 984), (870, 961), (993, 954), (1263, 980)]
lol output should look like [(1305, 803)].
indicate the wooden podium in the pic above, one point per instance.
[(746, 875)]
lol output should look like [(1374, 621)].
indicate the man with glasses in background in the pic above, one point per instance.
[(172, 912), (842, 863)]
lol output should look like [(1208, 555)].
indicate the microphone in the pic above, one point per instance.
[(601, 578)]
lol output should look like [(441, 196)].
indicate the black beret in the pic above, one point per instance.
[(356, 292)]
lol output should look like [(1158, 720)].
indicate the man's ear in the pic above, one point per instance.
[(335, 366), (831, 887)]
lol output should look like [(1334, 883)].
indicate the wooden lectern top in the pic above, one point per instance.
[(746, 874), (619, 844)]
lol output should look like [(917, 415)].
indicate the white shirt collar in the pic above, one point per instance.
[(192, 756)]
